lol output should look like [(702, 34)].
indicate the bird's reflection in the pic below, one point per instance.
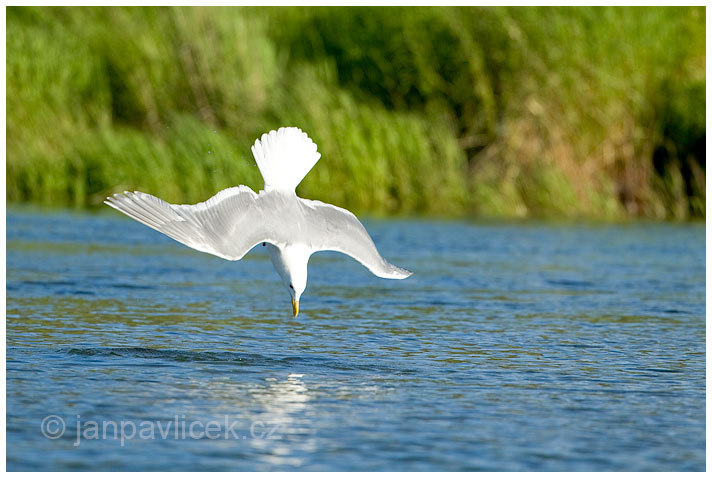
[(275, 416), (286, 413)]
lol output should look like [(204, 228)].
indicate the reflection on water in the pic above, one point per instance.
[(283, 403), (512, 347)]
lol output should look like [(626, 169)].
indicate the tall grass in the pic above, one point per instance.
[(574, 112)]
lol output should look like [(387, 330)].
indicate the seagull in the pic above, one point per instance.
[(236, 219)]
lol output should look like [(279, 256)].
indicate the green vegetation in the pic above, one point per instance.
[(562, 112)]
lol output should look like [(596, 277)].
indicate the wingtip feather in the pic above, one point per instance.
[(400, 273)]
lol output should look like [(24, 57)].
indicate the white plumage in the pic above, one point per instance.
[(236, 219), (284, 157)]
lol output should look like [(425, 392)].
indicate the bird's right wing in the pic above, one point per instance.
[(226, 225), (339, 230)]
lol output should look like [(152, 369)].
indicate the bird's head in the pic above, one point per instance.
[(291, 264), (297, 284)]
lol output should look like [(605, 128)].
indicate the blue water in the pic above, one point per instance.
[(514, 346)]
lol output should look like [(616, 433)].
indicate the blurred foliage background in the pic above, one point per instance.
[(590, 112)]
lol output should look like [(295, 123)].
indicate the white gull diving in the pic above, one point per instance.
[(236, 219)]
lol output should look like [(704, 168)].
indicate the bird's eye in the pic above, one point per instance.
[(290, 286)]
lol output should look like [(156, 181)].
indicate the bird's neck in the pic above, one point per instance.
[(291, 264)]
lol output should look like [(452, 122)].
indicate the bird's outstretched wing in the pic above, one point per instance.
[(340, 231), (233, 221), (227, 225)]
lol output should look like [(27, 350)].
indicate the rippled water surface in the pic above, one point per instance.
[(513, 347)]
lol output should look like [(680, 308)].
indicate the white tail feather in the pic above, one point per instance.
[(284, 157)]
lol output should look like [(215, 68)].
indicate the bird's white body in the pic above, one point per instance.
[(236, 219)]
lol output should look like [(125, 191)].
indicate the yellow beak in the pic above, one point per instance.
[(295, 307)]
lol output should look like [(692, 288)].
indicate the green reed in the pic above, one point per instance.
[(561, 112)]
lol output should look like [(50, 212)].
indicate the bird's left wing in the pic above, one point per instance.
[(339, 230), (227, 225)]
